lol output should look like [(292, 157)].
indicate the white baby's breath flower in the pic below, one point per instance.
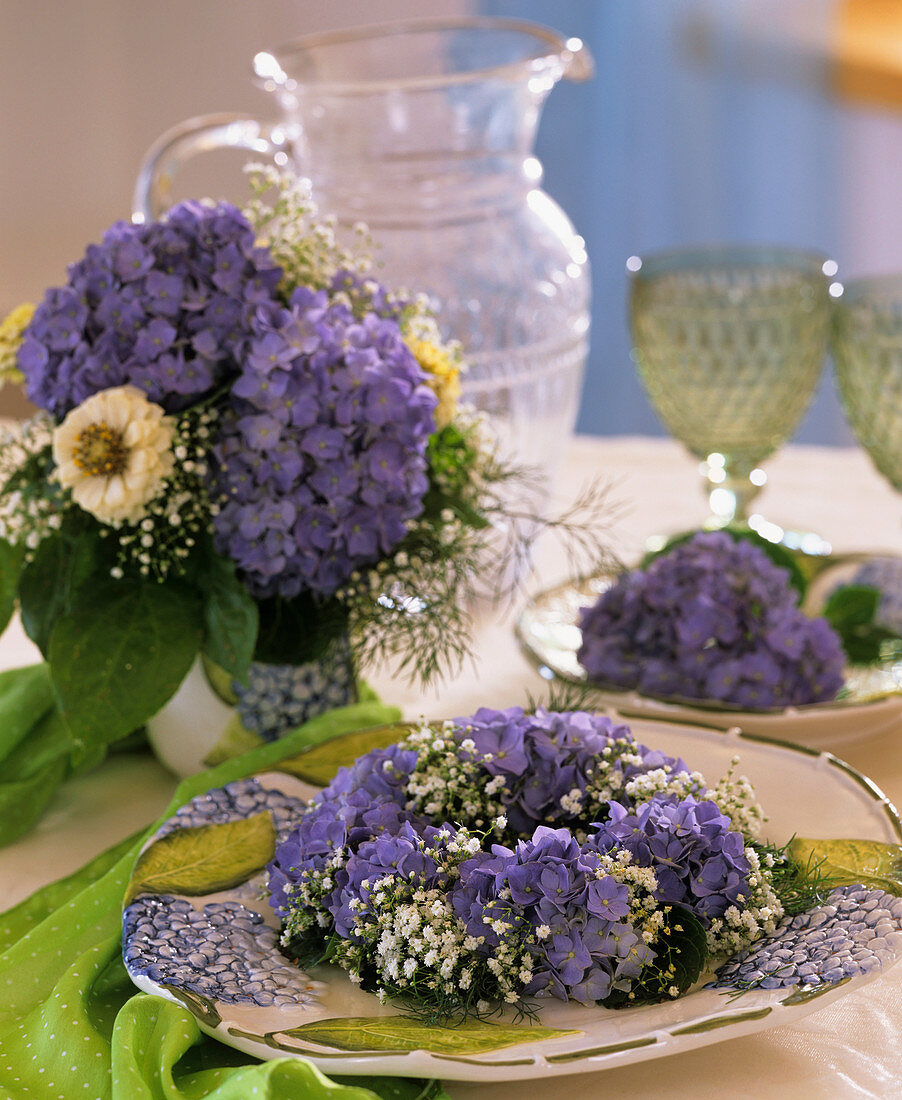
[(113, 451)]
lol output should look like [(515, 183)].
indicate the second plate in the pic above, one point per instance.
[(872, 703)]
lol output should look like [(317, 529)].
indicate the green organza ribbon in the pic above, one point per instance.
[(71, 1023), (35, 749)]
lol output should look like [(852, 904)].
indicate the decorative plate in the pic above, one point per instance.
[(198, 930), (872, 704)]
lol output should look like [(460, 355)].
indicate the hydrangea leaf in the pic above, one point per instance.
[(204, 859), (59, 567), (119, 654), (852, 612), (683, 946), (320, 764), (230, 619), (298, 630), (10, 571), (400, 1033), (849, 862)]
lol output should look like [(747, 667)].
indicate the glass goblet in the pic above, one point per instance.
[(867, 354), (729, 342)]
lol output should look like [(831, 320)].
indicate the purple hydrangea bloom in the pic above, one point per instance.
[(547, 755), (547, 887), (698, 859), (363, 801), (409, 853), (321, 461), (714, 619), (553, 901), (166, 306)]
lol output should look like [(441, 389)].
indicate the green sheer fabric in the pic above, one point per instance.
[(35, 749), (71, 1023)]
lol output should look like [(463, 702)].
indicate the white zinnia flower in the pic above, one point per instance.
[(113, 451)]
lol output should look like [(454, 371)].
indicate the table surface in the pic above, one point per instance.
[(850, 1048)]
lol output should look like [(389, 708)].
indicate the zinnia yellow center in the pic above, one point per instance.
[(100, 451)]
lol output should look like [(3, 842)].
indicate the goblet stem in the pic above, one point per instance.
[(730, 490)]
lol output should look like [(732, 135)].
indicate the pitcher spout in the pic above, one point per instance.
[(578, 63)]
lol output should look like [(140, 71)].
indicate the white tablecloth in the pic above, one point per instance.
[(850, 1049)]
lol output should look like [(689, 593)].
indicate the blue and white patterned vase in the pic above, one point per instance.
[(212, 716), (279, 698)]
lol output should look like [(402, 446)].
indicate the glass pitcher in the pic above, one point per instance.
[(424, 131)]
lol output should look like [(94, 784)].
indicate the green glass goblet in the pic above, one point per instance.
[(867, 354), (730, 342)]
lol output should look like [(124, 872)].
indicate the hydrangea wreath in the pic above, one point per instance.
[(712, 618), (509, 857), (248, 447)]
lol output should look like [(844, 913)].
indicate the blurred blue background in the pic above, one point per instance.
[(703, 123)]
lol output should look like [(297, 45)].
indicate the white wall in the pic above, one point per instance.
[(85, 87)]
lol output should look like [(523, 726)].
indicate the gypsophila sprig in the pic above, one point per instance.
[(712, 619), (31, 501), (176, 521), (301, 239), (506, 858)]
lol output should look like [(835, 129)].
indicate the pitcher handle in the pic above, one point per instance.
[(198, 135)]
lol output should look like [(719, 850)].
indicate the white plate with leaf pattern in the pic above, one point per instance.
[(198, 930)]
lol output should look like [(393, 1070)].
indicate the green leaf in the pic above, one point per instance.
[(399, 1033), (850, 862), (319, 764), (120, 652), (681, 955), (10, 571), (852, 605), (204, 859), (231, 619), (50, 580), (852, 611)]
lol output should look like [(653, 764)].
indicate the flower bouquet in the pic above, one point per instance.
[(249, 450)]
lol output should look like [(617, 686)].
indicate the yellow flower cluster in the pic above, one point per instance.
[(442, 376), (11, 332)]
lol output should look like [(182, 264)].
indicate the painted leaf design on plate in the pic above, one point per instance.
[(204, 859), (319, 764), (846, 862), (399, 1033), (204, 1008)]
